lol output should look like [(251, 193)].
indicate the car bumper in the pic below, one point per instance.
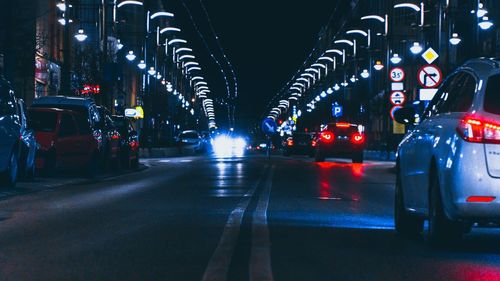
[(341, 149), (462, 179)]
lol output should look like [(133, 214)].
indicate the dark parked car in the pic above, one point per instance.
[(299, 144), (129, 149), (28, 145), (111, 138), (341, 140), (10, 127), (66, 140)]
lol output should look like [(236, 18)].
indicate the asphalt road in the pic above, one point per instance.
[(202, 218)]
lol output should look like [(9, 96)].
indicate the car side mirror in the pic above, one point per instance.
[(407, 116)]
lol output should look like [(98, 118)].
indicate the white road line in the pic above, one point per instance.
[(260, 257), (218, 265)]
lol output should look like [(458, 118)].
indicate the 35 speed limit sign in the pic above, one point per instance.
[(397, 74)]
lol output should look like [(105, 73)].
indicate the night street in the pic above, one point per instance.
[(202, 218)]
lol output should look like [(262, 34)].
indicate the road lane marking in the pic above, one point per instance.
[(260, 255), (219, 263)]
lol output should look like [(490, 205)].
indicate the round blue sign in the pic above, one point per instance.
[(269, 126)]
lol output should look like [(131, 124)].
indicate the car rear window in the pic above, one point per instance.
[(492, 97), (189, 135), (43, 121)]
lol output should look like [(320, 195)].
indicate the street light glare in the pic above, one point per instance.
[(395, 59), (408, 5), (161, 14), (455, 39), (142, 65), (81, 36), (130, 56), (344, 41), (485, 23), (373, 17)]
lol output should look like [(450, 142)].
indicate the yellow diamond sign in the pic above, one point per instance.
[(430, 55)]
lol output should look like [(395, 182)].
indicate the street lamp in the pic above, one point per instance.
[(416, 8), (485, 23), (152, 71), (142, 65), (455, 39), (395, 59), (378, 65), (365, 74), (416, 48), (81, 36), (130, 56)]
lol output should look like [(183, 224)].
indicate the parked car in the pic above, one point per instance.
[(66, 140), (448, 165), (111, 139), (10, 127), (129, 149), (190, 139), (341, 140), (28, 145), (299, 144), (105, 135)]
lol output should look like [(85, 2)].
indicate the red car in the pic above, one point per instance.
[(66, 140)]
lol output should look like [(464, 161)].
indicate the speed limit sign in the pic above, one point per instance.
[(397, 74)]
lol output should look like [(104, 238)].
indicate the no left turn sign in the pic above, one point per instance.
[(430, 76)]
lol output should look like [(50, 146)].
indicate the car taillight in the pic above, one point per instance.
[(134, 144), (314, 143), (473, 129), (327, 137), (357, 138), (115, 137), (289, 142)]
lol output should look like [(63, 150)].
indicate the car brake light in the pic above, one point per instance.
[(289, 142), (343, 125), (473, 129), (480, 199), (327, 136), (314, 143), (134, 144), (115, 137), (357, 138)]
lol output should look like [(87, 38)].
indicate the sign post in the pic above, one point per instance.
[(269, 128)]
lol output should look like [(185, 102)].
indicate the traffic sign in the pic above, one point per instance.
[(394, 109), (430, 55), (397, 74), (337, 110), (398, 98), (269, 126), (430, 76)]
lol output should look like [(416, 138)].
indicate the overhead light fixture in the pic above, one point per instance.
[(142, 65), (317, 98), (329, 91), (485, 23), (81, 36), (378, 65), (130, 56), (353, 79), (481, 12), (395, 59), (152, 71), (455, 39), (336, 87), (61, 6), (323, 94), (365, 74), (416, 48)]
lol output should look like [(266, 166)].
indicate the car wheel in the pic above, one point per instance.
[(406, 224), (357, 158), (9, 177), (320, 156), (440, 229)]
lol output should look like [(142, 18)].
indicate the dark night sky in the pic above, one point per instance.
[(266, 41)]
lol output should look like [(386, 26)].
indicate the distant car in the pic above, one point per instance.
[(129, 150), (66, 140), (190, 138), (10, 127), (341, 140), (299, 144), (28, 144), (448, 166)]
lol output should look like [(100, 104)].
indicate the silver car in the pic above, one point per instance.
[(448, 165)]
